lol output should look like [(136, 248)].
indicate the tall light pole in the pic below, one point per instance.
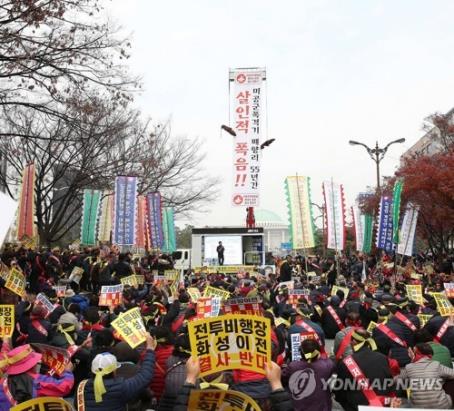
[(377, 154)]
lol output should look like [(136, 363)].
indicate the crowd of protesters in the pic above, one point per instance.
[(105, 373)]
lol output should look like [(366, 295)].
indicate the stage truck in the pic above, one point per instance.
[(243, 247)]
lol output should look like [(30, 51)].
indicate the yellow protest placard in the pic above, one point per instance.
[(216, 292), (345, 290), (130, 327), (311, 274), (130, 280), (424, 318), (172, 275), (444, 307), (415, 276), (140, 279), (194, 293), (414, 292), (43, 404), (6, 320), (202, 400), (16, 281), (233, 341)]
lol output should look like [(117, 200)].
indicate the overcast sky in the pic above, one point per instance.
[(337, 70)]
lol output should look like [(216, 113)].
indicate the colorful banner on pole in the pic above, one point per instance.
[(125, 210), (385, 225), (6, 320), (154, 217), (26, 214), (168, 224), (106, 217), (397, 193), (225, 400), (335, 215), (246, 91), (359, 225), (141, 222), (368, 227), (408, 230), (91, 202), (301, 228), (231, 341)]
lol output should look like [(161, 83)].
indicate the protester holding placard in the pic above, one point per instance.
[(105, 392)]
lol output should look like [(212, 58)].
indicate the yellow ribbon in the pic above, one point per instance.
[(100, 389), (15, 358), (65, 331), (216, 383), (309, 356), (363, 341)]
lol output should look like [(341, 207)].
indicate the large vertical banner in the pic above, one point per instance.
[(385, 225), (141, 221), (408, 230), (300, 212), (125, 210), (26, 215), (168, 223), (246, 90), (154, 218), (335, 215), (106, 216), (368, 228), (397, 193), (358, 223), (90, 209)]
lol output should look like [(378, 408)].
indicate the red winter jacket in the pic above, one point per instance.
[(162, 353)]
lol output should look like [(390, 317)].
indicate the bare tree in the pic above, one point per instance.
[(106, 140), (51, 50)]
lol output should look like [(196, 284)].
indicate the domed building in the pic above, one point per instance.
[(274, 228)]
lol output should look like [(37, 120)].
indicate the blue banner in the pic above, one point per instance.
[(125, 210), (385, 225), (154, 218)]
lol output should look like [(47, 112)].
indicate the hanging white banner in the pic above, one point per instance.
[(335, 215), (246, 90), (408, 229), (359, 221)]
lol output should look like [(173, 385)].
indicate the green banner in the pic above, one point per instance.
[(368, 226), (90, 217), (168, 225), (397, 192)]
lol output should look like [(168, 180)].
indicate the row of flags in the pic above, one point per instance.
[(388, 235), (127, 219)]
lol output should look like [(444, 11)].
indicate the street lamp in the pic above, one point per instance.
[(377, 154)]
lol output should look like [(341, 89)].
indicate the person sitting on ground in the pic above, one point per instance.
[(106, 391), (425, 377), (317, 370)]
